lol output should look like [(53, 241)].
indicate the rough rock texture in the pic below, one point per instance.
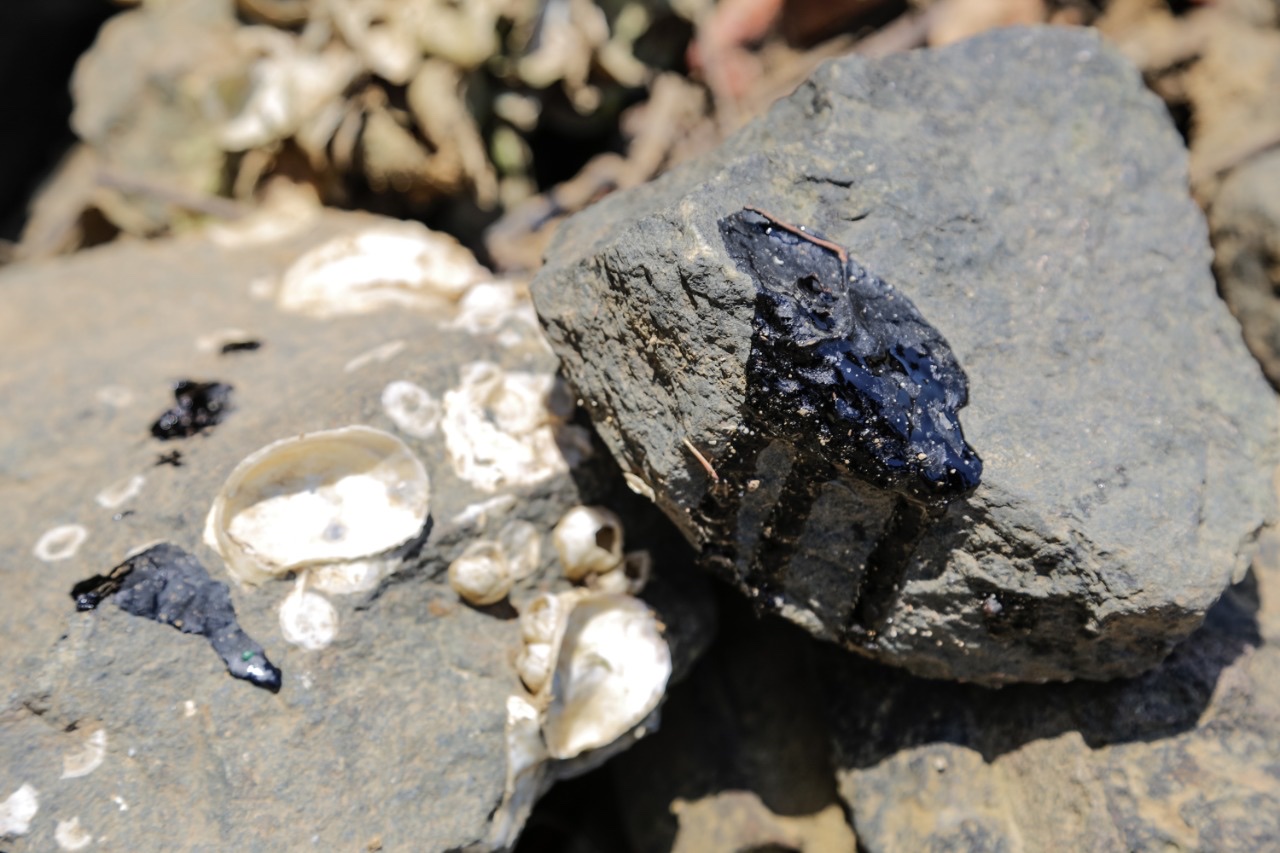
[(1245, 223), (393, 734), (1181, 758), (1028, 195), (743, 760)]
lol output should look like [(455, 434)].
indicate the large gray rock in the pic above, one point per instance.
[(1180, 758), (394, 734), (1029, 196)]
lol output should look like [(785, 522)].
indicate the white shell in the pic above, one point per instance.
[(589, 540), (307, 619), (541, 618), (533, 665), (60, 543), (120, 492), (411, 408), (18, 810), (336, 503), (526, 773), (481, 574), (611, 671), (87, 758), (501, 428), (629, 576), (395, 264)]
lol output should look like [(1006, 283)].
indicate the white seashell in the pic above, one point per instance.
[(87, 758), (589, 540), (71, 836), (411, 408), (307, 619), (611, 671), (60, 543), (542, 618), (637, 484), (120, 492), (533, 665), (501, 428), (401, 264), (526, 772), (629, 576), (336, 503), (481, 574), (18, 810)]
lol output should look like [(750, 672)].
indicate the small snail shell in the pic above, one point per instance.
[(589, 541), (482, 573), (533, 665)]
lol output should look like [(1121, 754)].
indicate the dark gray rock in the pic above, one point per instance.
[(1180, 758), (1028, 196), (392, 735)]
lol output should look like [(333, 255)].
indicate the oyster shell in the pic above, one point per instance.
[(340, 504)]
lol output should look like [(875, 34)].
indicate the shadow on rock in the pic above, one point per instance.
[(876, 711)]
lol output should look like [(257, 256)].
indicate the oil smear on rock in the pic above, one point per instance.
[(198, 406), (845, 368), (170, 586)]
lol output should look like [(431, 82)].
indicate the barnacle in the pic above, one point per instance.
[(589, 541)]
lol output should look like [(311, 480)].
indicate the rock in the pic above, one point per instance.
[(1028, 196), (394, 732), (1245, 221), (1181, 758), (743, 759)]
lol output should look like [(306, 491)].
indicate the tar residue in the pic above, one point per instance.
[(845, 371), (168, 585), (197, 406), (845, 366)]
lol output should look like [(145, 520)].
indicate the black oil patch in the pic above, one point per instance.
[(846, 373), (173, 457), (845, 368), (247, 345), (168, 585), (197, 406)]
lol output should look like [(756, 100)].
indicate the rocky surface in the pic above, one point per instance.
[(1180, 758), (393, 735), (1029, 197)]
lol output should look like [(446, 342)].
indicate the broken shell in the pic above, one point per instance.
[(339, 504), (60, 543), (629, 576), (411, 408), (482, 573), (87, 758), (541, 619), (611, 671), (307, 619), (504, 428), (589, 540), (533, 665), (120, 492)]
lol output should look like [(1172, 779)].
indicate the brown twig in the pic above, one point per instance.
[(711, 472), (804, 235)]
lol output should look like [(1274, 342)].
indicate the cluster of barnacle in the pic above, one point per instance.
[(592, 658)]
